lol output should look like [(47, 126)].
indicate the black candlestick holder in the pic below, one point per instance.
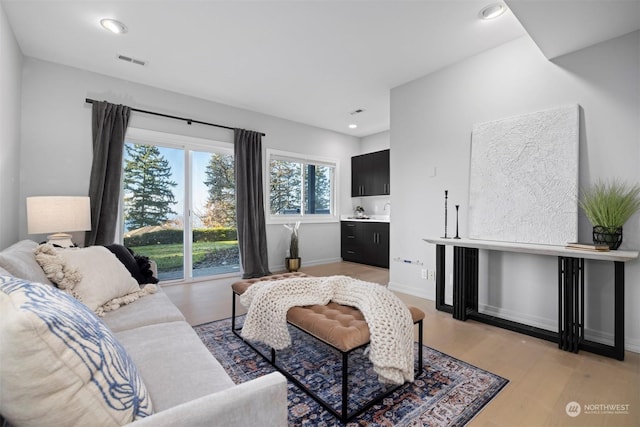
[(457, 236), (446, 195)]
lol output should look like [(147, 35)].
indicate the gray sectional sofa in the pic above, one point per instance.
[(186, 384)]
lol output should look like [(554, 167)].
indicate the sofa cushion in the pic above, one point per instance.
[(175, 364), (152, 309), (19, 260), (92, 275), (60, 365)]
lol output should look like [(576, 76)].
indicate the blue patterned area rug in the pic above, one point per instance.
[(448, 392)]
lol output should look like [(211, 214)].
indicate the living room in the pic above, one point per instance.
[(46, 149)]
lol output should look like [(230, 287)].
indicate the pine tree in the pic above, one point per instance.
[(220, 182), (148, 187), (321, 189), (284, 185)]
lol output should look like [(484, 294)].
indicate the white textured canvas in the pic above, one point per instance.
[(524, 178)]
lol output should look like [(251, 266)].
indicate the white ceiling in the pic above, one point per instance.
[(566, 26), (309, 61)]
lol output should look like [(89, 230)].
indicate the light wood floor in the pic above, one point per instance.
[(543, 379)]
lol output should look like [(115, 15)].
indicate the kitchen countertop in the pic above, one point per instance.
[(368, 218)]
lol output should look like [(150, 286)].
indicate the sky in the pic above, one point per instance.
[(176, 159)]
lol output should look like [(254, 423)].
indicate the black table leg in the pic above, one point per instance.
[(465, 281), (440, 279), (570, 303), (619, 310)]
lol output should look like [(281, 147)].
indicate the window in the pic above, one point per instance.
[(301, 188), (178, 204)]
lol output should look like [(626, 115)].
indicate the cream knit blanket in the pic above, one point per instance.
[(389, 320)]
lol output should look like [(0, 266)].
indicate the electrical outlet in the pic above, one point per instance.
[(423, 274), (432, 275)]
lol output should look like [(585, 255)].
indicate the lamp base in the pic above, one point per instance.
[(61, 239)]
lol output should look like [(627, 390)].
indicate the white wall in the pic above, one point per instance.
[(10, 86), (375, 142), (431, 122), (56, 141)]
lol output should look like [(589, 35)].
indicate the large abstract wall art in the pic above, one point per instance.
[(524, 178)]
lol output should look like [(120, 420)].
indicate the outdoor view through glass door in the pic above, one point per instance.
[(179, 205)]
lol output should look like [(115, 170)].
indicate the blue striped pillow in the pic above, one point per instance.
[(61, 364)]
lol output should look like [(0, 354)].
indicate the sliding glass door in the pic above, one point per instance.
[(179, 204), (214, 234)]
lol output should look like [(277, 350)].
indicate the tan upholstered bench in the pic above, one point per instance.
[(339, 326)]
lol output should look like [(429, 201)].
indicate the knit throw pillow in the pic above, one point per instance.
[(93, 275), (60, 365)]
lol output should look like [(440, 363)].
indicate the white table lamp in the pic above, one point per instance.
[(58, 214)]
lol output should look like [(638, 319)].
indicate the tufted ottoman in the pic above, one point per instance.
[(339, 326)]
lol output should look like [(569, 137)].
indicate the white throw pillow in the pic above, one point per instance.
[(93, 275), (60, 365)]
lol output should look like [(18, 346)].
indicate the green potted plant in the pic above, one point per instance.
[(359, 211), (293, 260), (608, 206)]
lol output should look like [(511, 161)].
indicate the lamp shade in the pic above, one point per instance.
[(54, 214)]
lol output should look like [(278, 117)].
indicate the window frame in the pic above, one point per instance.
[(334, 216), (188, 144)]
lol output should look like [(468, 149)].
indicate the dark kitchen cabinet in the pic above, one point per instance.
[(365, 242), (370, 174)]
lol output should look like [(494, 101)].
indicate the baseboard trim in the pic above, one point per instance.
[(531, 320), (632, 345), (282, 267), (601, 337), (422, 293)]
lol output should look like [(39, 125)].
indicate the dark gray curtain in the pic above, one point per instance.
[(252, 235), (109, 123)]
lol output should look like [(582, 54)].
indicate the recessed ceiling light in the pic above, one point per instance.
[(353, 126), (492, 11), (114, 26)]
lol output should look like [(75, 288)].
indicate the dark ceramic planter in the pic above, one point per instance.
[(610, 236)]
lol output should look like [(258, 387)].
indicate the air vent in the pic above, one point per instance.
[(358, 111), (132, 60)]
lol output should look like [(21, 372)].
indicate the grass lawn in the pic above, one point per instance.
[(169, 257)]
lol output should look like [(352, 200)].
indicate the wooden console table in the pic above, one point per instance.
[(570, 335)]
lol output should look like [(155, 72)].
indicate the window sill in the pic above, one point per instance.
[(286, 219)]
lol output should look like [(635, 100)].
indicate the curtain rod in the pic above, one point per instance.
[(189, 121)]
